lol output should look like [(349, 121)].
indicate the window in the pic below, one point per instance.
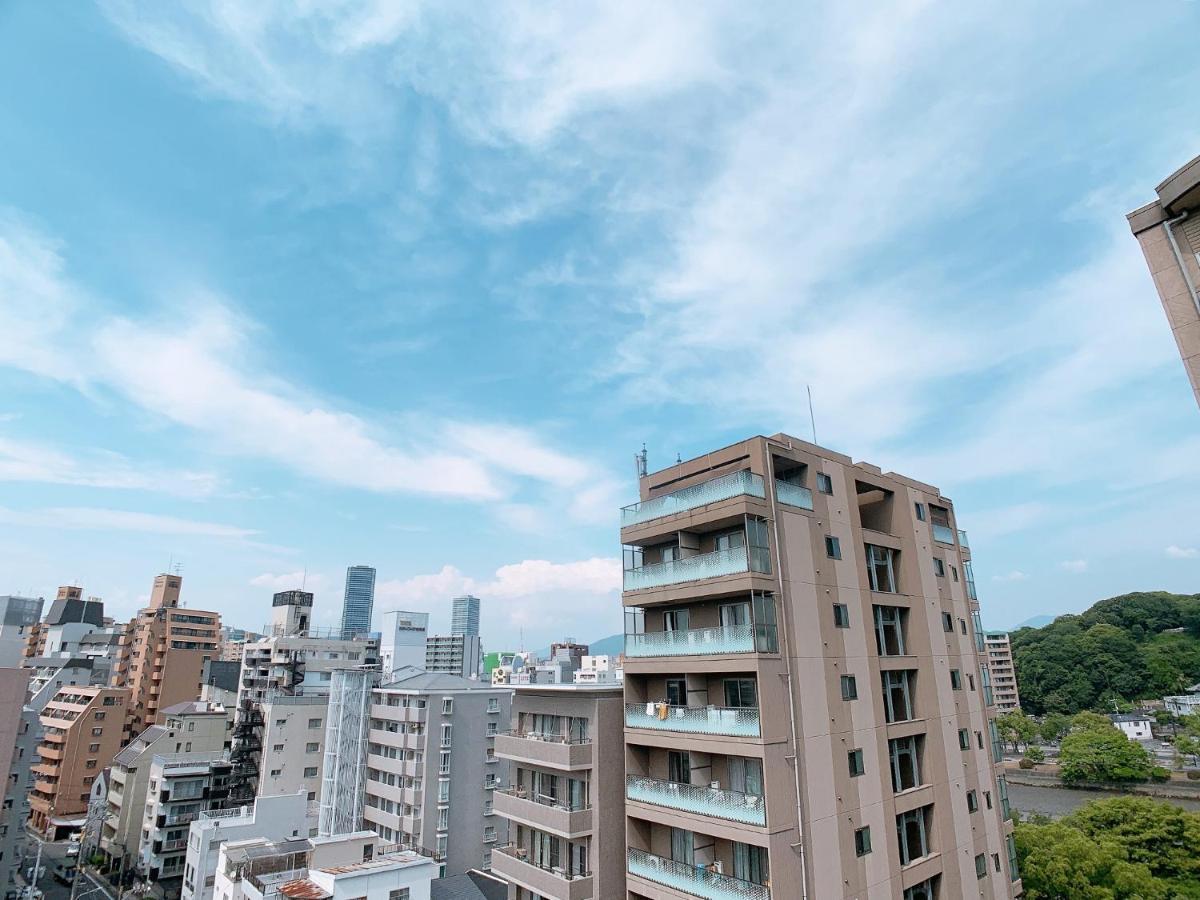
[(93, 748), (443, 820), (954, 572), (897, 695), (310, 771), (862, 840), (855, 759), (947, 622), (90, 764), (889, 630), (955, 679), (824, 483), (314, 723), (964, 739), (676, 692), (939, 567), (996, 861), (905, 754), (399, 894), (446, 734), (987, 799), (920, 509), (922, 891), (489, 833), (962, 625), (980, 865), (275, 773), (675, 620), (912, 834), (312, 747), (881, 572), (447, 706), (96, 732), (100, 714), (278, 748), (1013, 872), (849, 688), (679, 766), (493, 704), (841, 615), (741, 693), (444, 767), (971, 682), (972, 802), (833, 547)]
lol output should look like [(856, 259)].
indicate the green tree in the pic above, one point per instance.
[(1054, 726), (1188, 745), (1016, 728), (1035, 754), (1158, 835), (1090, 721), (1093, 755)]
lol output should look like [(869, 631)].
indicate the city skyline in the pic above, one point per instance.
[(286, 291)]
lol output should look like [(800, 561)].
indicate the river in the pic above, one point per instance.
[(1056, 802)]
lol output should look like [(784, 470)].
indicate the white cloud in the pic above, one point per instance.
[(1014, 575), (1176, 552), (287, 581), (99, 519), (1076, 566)]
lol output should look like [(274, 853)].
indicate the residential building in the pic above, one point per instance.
[(1184, 704), (233, 642), (776, 575), (432, 767), (50, 673), (599, 670), (1001, 671), (267, 818), (293, 747), (181, 786), (163, 651), (464, 615), (194, 727), (509, 665), (1134, 725), (473, 885), (403, 640), (18, 746), (82, 728), (569, 649), (345, 867), (69, 619), (220, 681), (454, 654), (1168, 230), (19, 617), (358, 601), (564, 800)]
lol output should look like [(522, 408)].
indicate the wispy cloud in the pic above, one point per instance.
[(100, 519), (1014, 575), (1075, 566), (286, 581), (1176, 552)]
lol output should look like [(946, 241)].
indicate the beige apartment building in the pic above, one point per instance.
[(83, 727), (1168, 230), (1002, 671), (564, 800), (162, 653), (805, 710)]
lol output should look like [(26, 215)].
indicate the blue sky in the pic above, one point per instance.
[(286, 287)]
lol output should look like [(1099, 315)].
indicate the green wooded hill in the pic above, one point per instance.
[(1130, 647)]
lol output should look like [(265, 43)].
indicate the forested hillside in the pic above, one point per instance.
[(1130, 647)]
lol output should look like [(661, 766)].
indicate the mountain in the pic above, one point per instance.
[(1033, 622)]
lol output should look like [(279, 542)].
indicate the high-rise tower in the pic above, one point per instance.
[(359, 601), (464, 616)]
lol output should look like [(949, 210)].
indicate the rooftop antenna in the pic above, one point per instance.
[(811, 418), (304, 578), (639, 460)]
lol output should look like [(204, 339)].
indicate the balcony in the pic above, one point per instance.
[(962, 539), (717, 720), (717, 641), (735, 484), (732, 806), (695, 881), (546, 813), (514, 864), (734, 561), (943, 533), (552, 750), (793, 495)]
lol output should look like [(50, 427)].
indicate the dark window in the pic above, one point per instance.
[(980, 865), (972, 802), (920, 508), (964, 739), (962, 625), (824, 483), (897, 695), (849, 688), (881, 568), (833, 547), (676, 692), (855, 759), (841, 615), (905, 754), (987, 799), (741, 693), (890, 627), (862, 841), (912, 834), (947, 622), (956, 679), (939, 567)]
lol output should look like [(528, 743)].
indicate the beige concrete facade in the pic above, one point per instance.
[(565, 810), (1003, 672), (802, 664), (82, 730), (1168, 231)]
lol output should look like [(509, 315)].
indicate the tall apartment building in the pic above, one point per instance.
[(182, 785), (19, 617), (194, 727), (1168, 230), (69, 619), (564, 800), (82, 730), (432, 767), (403, 640), (464, 615), (18, 745), (358, 601), (1002, 672), (163, 651), (805, 714), (454, 654)]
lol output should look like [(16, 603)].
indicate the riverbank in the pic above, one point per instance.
[(1168, 790), (1058, 801)]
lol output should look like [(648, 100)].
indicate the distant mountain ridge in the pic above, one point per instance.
[(1034, 622)]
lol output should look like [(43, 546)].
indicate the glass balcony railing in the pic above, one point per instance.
[(695, 881), (793, 495), (962, 538), (971, 592), (696, 568), (706, 801), (943, 533), (702, 641), (736, 722), (735, 484)]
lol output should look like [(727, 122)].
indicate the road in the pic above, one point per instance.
[(1057, 802), (51, 887)]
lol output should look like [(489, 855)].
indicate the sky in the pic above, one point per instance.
[(292, 286)]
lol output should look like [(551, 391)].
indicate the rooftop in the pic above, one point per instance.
[(195, 708), (411, 679), (473, 885)]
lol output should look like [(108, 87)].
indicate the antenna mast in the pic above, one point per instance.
[(811, 418)]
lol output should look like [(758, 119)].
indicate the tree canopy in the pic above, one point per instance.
[(1093, 754)]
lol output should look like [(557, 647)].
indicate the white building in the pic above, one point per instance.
[(403, 640), (598, 670), (1184, 704), (293, 746), (454, 654), (1135, 726), (181, 787), (269, 818)]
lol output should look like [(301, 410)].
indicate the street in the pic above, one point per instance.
[(51, 887)]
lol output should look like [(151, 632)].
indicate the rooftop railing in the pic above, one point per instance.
[(734, 806), (735, 484), (696, 881), (733, 721)]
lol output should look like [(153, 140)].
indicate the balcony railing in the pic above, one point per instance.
[(736, 722), (943, 533), (703, 641), (546, 737), (542, 800), (733, 561), (735, 484), (523, 855), (793, 494), (697, 881), (706, 801), (962, 539)]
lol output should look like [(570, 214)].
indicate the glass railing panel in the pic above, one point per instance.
[(693, 568), (696, 881), (971, 593), (737, 722), (718, 640), (943, 533), (735, 484), (793, 495), (731, 805), (962, 538)]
